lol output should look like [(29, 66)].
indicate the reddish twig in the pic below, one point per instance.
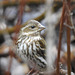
[(21, 10), (68, 49), (67, 18), (68, 38), (10, 62), (18, 25), (60, 37)]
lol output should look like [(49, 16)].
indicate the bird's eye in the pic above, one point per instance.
[(32, 27)]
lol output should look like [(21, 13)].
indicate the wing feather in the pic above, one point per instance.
[(41, 48)]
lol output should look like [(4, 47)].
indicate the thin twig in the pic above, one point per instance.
[(68, 39), (68, 50), (21, 9), (60, 37)]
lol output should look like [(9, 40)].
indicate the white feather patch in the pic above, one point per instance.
[(21, 47), (34, 46), (30, 49), (42, 59), (25, 46)]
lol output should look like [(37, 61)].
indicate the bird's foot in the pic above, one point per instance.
[(33, 72)]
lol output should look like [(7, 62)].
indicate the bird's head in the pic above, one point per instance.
[(32, 27)]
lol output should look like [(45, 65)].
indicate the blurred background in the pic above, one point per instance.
[(13, 15)]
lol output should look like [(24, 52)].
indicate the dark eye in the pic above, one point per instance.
[(32, 27)]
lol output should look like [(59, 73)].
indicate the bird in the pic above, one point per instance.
[(31, 46)]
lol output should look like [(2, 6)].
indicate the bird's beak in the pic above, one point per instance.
[(41, 27)]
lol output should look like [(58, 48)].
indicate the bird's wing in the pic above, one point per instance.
[(41, 48)]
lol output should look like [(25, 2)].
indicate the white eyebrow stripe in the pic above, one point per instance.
[(26, 26)]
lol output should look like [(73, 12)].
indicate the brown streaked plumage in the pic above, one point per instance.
[(31, 46)]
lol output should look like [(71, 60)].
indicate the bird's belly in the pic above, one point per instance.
[(28, 52), (37, 64)]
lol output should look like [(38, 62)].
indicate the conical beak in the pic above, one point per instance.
[(41, 27)]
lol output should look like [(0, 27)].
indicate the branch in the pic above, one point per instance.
[(60, 37)]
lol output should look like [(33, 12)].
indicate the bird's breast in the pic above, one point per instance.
[(27, 45), (28, 48)]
